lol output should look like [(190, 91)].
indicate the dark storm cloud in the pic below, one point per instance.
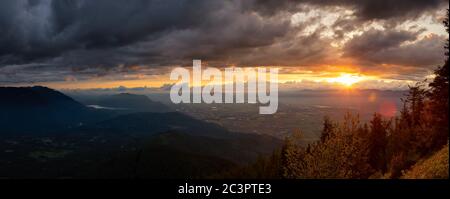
[(98, 35), (34, 30), (393, 47), (385, 9), (377, 40), (365, 9)]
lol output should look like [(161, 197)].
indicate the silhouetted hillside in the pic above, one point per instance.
[(127, 102), (40, 109), (238, 148), (33, 97), (150, 123), (60, 137)]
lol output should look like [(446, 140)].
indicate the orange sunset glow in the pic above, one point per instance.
[(333, 79), (278, 92)]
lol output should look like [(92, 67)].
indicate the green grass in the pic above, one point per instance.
[(434, 167)]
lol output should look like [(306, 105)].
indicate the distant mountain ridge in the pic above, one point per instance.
[(41, 109), (128, 102), (65, 138), (148, 123), (31, 97)]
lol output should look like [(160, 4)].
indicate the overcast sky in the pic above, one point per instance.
[(67, 41)]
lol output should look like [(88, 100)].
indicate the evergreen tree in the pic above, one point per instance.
[(327, 128), (439, 97), (377, 142)]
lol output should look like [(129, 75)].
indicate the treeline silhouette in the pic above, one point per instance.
[(413, 144)]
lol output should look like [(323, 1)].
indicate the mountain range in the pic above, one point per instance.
[(48, 134)]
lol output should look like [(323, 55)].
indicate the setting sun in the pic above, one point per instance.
[(346, 79)]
